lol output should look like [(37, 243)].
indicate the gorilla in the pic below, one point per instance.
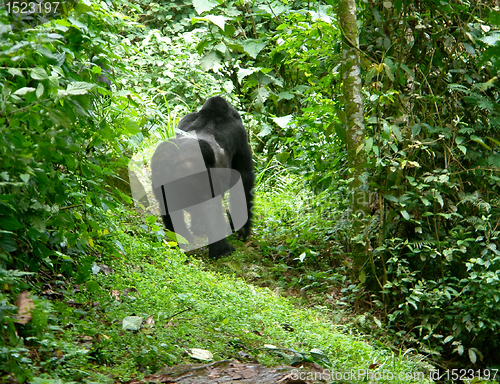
[(193, 172)]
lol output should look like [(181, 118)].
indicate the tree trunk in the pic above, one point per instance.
[(355, 129)]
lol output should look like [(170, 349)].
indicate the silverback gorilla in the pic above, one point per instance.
[(193, 172)]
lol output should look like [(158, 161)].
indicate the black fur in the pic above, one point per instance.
[(224, 144)]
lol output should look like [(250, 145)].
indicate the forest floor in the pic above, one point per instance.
[(184, 303), (148, 307)]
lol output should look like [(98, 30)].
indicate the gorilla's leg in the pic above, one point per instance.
[(209, 220), (180, 228), (240, 201), (248, 183), (220, 248)]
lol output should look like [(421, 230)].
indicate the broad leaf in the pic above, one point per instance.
[(253, 47), (204, 5)]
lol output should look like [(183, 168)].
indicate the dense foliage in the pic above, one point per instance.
[(62, 136), (432, 105)]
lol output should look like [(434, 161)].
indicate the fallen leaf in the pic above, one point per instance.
[(200, 354), (150, 322), (270, 346), (116, 294)]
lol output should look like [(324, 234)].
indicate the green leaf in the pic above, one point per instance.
[(132, 323), (77, 88), (10, 223), (130, 126), (38, 73), (371, 74), (340, 131), (260, 96), (415, 130), (394, 199), (490, 39), (55, 36), (368, 144), (219, 21), (23, 91), (209, 61), (472, 356), (362, 276), (25, 177), (397, 133), (494, 140), (359, 148), (200, 354), (439, 198), (15, 72), (282, 121), (479, 140), (7, 242), (494, 160), (388, 72), (407, 70), (265, 130), (244, 72), (405, 214), (285, 95), (204, 5), (76, 23), (253, 47), (470, 49), (92, 286), (425, 201), (151, 219), (39, 90)]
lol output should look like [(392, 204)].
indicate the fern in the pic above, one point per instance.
[(476, 200)]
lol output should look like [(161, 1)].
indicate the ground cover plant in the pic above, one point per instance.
[(95, 335)]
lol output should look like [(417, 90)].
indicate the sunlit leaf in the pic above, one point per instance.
[(204, 5), (472, 356), (253, 47), (38, 73), (23, 91), (132, 323), (282, 121), (200, 354), (480, 141), (220, 21), (209, 61), (15, 72)]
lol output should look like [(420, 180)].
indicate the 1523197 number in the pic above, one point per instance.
[(469, 374), (24, 8)]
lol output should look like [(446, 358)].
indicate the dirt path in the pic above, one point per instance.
[(227, 371)]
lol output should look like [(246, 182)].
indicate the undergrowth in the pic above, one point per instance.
[(80, 335)]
